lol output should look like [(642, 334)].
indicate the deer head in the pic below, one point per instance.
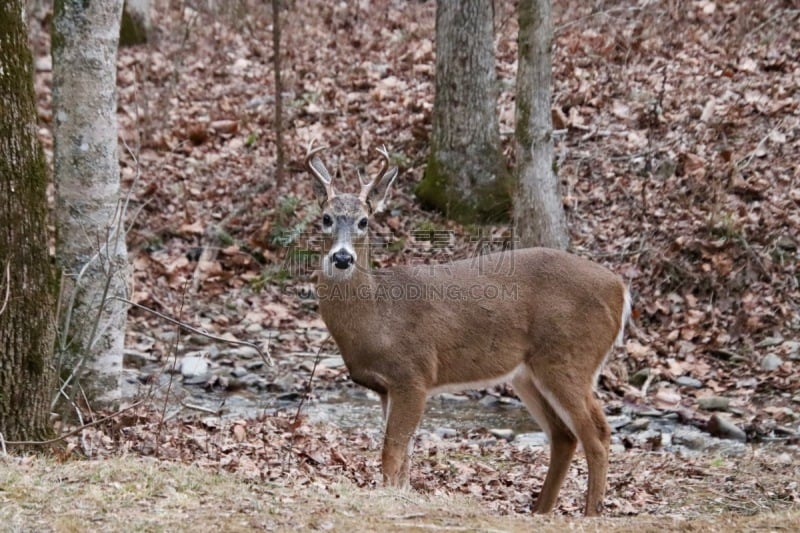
[(345, 216)]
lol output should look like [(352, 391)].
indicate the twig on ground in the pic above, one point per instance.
[(310, 379), (265, 356), (215, 412), (295, 422), (72, 432), (743, 162)]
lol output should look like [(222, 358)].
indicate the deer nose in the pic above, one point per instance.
[(342, 259)]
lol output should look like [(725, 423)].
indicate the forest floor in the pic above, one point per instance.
[(678, 148)]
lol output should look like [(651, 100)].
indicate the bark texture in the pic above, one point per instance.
[(27, 282), (466, 177), (538, 212), (90, 244)]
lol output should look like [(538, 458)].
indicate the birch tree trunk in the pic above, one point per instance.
[(538, 212), (28, 285), (90, 244), (466, 177)]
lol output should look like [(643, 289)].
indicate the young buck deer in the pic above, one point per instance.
[(543, 319)]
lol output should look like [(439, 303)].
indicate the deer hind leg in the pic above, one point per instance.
[(562, 440), (581, 413), (403, 411)]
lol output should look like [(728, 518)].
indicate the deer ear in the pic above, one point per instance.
[(379, 193)]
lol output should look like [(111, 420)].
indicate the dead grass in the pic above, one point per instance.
[(140, 494)]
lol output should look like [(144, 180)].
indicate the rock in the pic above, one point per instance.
[(536, 439), (651, 412), (770, 362), (289, 397), (134, 359), (503, 433), (793, 349), (450, 397), (239, 372), (254, 365), (489, 401), (617, 422), (770, 341), (690, 438), (332, 362), (194, 367), (198, 340), (616, 449), (445, 433), (687, 381), (650, 439), (241, 352), (723, 428), (253, 330), (667, 398), (714, 403), (639, 424)]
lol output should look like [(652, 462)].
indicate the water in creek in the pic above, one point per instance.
[(358, 408)]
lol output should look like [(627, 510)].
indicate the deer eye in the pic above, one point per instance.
[(327, 221), (362, 224)]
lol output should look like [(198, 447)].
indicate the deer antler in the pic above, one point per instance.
[(315, 166), (367, 186)]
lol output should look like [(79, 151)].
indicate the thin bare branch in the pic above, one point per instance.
[(8, 288), (68, 433), (265, 356)]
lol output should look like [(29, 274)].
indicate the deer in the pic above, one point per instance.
[(543, 319)]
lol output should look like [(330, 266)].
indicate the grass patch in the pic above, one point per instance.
[(141, 494)]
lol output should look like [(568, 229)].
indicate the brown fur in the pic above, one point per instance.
[(543, 318)]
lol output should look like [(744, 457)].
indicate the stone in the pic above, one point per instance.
[(687, 381), (239, 372), (690, 438), (793, 349), (135, 359), (639, 424), (503, 433), (445, 433), (536, 439), (332, 362), (194, 367), (714, 403), (450, 397), (771, 362), (254, 365), (617, 422), (770, 341), (720, 426)]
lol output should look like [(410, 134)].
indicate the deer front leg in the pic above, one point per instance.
[(403, 411)]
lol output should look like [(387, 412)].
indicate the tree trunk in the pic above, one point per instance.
[(538, 213), (135, 24), (28, 285), (466, 177), (90, 244)]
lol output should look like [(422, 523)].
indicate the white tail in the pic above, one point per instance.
[(541, 318)]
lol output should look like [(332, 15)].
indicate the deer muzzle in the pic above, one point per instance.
[(342, 259)]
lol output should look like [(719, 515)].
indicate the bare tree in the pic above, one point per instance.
[(466, 177), (90, 245), (28, 285), (538, 213)]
